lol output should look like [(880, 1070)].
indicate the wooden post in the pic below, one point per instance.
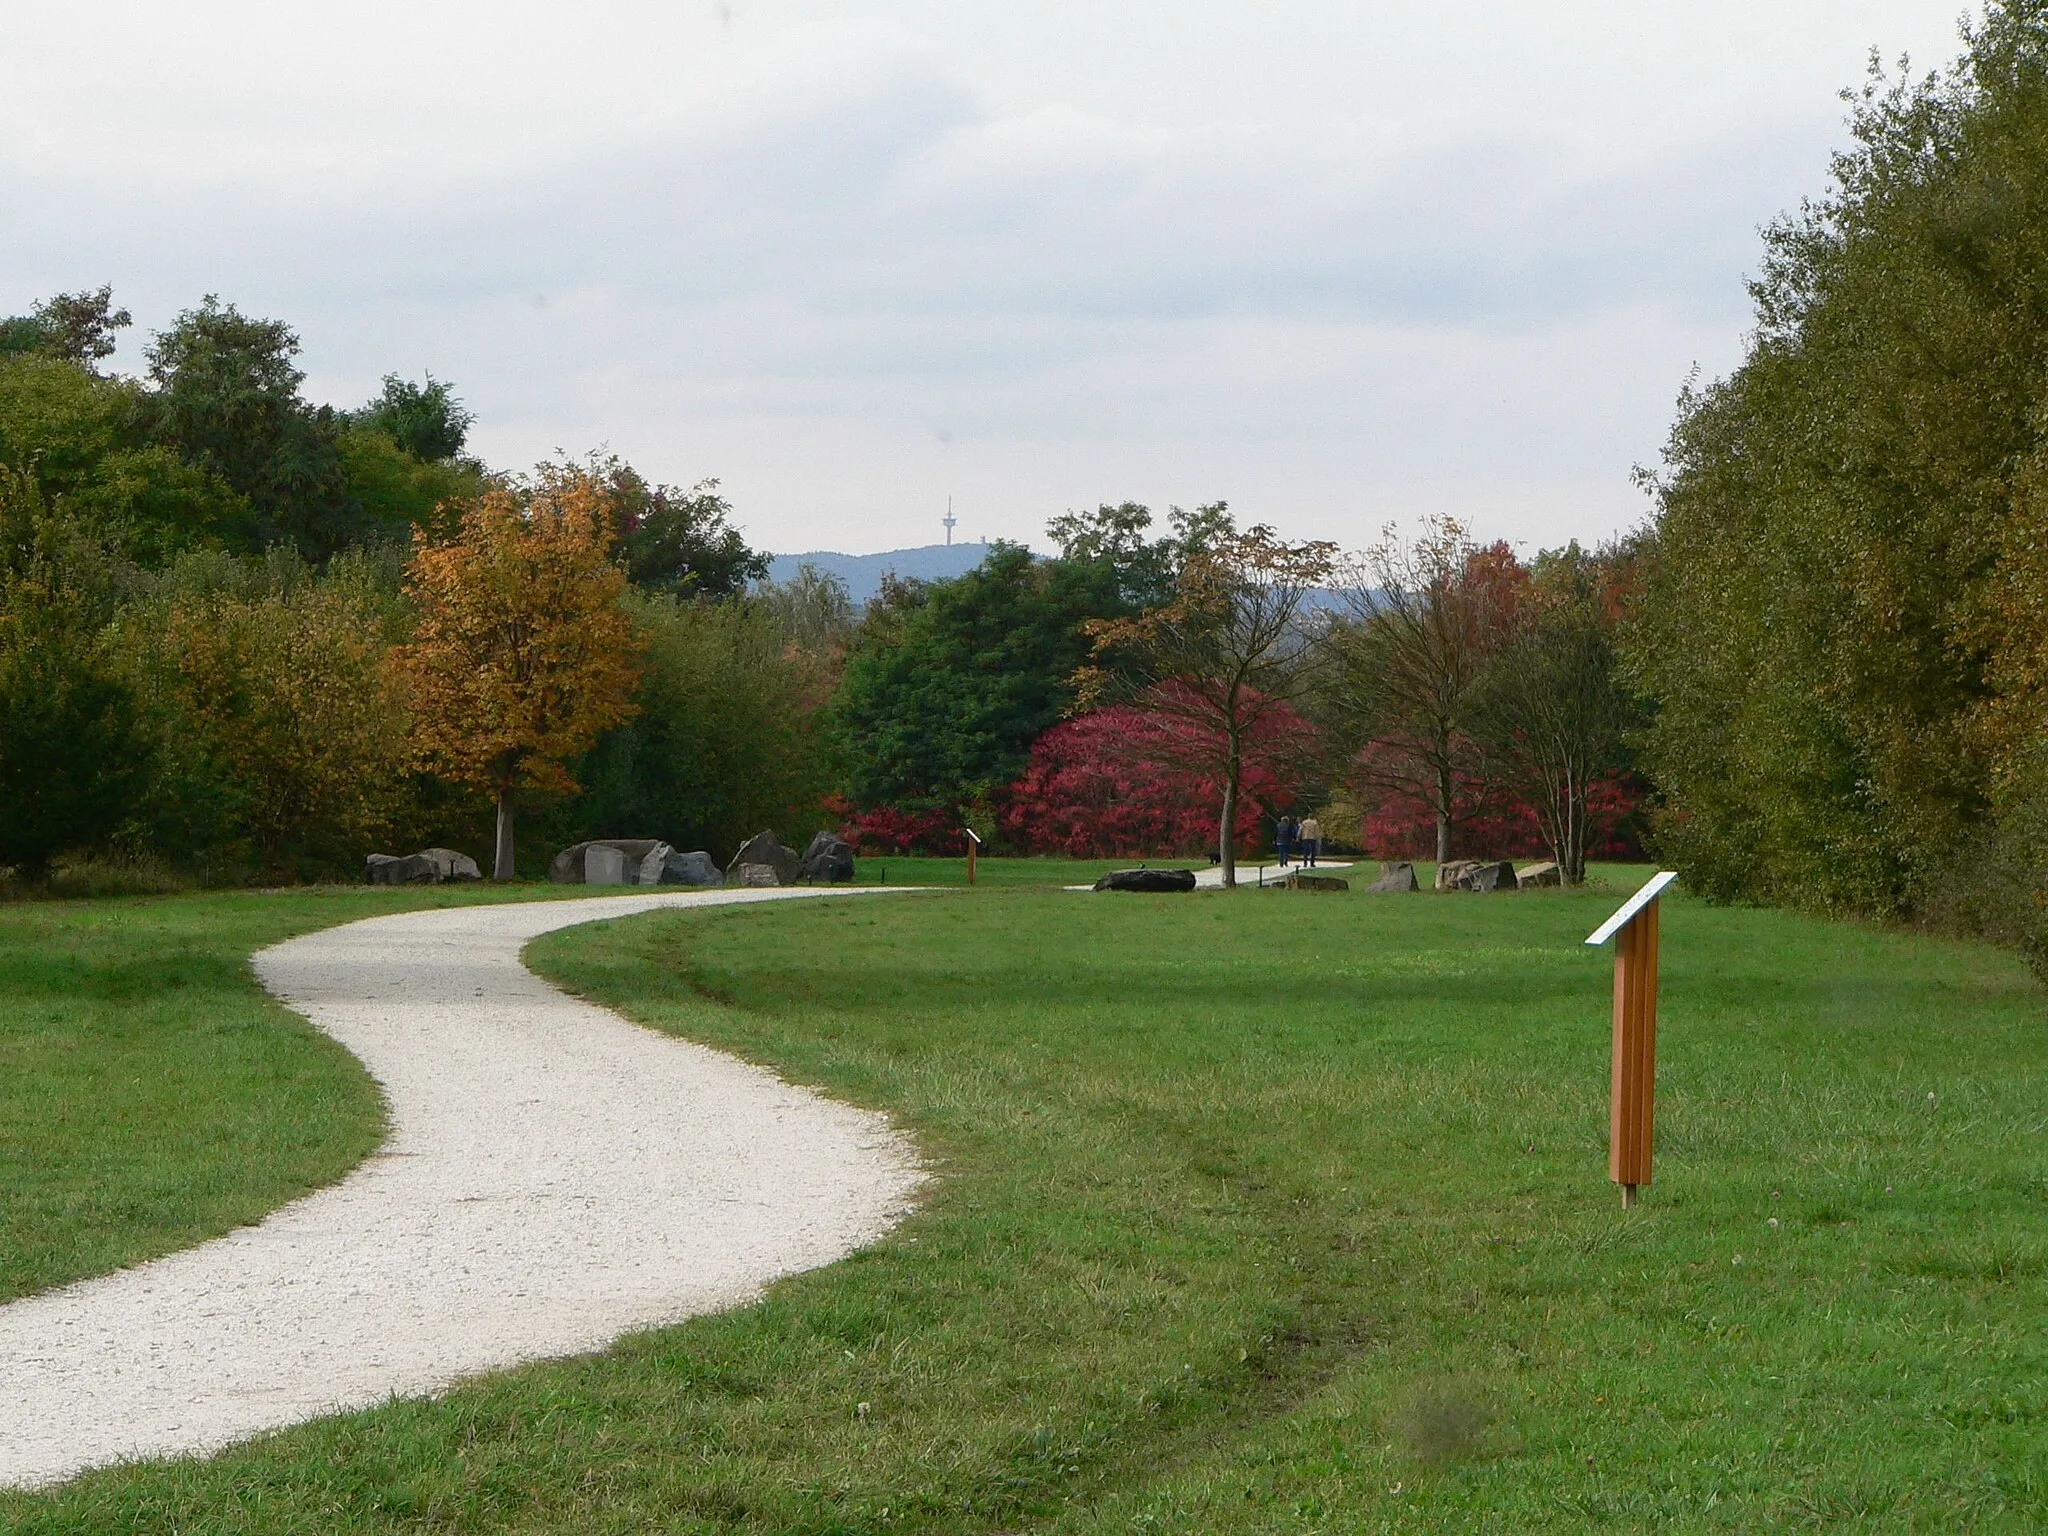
[(1632, 1115), (973, 844)]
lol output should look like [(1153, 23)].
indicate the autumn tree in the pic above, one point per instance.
[(1549, 708), (1225, 651), (1423, 617), (523, 652)]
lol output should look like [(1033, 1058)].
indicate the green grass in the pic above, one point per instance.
[(151, 1094), (1262, 1213)]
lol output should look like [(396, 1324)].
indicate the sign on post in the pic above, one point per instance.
[(1631, 1118), (973, 847)]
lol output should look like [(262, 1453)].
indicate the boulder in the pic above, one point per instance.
[(762, 848), (430, 866), (1397, 876), (1299, 880), (664, 866), (605, 865), (829, 858), (566, 867), (752, 874), (1147, 880), (1545, 873), (1493, 876), (1451, 871)]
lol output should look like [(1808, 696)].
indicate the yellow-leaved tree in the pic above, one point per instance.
[(523, 653)]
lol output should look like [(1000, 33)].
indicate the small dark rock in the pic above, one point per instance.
[(1497, 876), (762, 849), (664, 866), (1546, 873), (829, 858), (1451, 871), (1297, 880), (1147, 880)]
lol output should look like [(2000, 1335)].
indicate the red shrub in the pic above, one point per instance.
[(1113, 784), (885, 829)]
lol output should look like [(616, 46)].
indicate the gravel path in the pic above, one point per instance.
[(555, 1177)]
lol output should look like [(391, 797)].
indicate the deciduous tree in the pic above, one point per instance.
[(523, 653), (1424, 615), (1229, 649)]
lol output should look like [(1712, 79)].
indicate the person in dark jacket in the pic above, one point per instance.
[(1284, 834)]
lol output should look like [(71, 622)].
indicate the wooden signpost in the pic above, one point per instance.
[(973, 846), (1634, 930)]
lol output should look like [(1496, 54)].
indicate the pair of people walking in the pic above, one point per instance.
[(1303, 837)]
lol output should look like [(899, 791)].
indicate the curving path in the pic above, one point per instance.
[(555, 1176)]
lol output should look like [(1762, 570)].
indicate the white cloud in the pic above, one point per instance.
[(1336, 262)]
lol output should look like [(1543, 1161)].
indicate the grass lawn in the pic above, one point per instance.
[(1263, 1212), (152, 1094)]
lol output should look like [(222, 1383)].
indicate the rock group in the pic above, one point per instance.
[(760, 861)]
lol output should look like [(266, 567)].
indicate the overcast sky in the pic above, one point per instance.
[(1338, 262)]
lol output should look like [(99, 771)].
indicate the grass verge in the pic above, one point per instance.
[(1265, 1212)]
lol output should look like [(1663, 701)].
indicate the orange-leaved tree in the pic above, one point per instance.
[(1230, 647), (523, 653)]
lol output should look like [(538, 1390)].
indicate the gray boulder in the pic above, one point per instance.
[(605, 865), (430, 866), (762, 848), (566, 867), (752, 874), (1397, 876), (1546, 873), (1147, 880), (1495, 876), (829, 858), (664, 866), (1451, 871)]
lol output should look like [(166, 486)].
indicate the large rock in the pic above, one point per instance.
[(829, 858), (1497, 875), (1147, 880), (1397, 876), (566, 867), (430, 866), (1301, 880), (1546, 873), (664, 866), (605, 865), (762, 848), (1451, 871)]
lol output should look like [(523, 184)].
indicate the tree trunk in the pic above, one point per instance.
[(501, 867), (1226, 834), (1445, 787)]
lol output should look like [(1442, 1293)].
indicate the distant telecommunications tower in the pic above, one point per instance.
[(949, 520)]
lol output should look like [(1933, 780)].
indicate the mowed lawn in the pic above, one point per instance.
[(1264, 1211)]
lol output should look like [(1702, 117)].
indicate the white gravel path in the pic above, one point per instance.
[(555, 1177)]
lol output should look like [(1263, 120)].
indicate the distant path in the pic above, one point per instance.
[(555, 1176)]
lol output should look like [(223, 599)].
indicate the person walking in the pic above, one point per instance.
[(1311, 841), (1284, 832)]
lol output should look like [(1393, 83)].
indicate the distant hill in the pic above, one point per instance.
[(863, 573)]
